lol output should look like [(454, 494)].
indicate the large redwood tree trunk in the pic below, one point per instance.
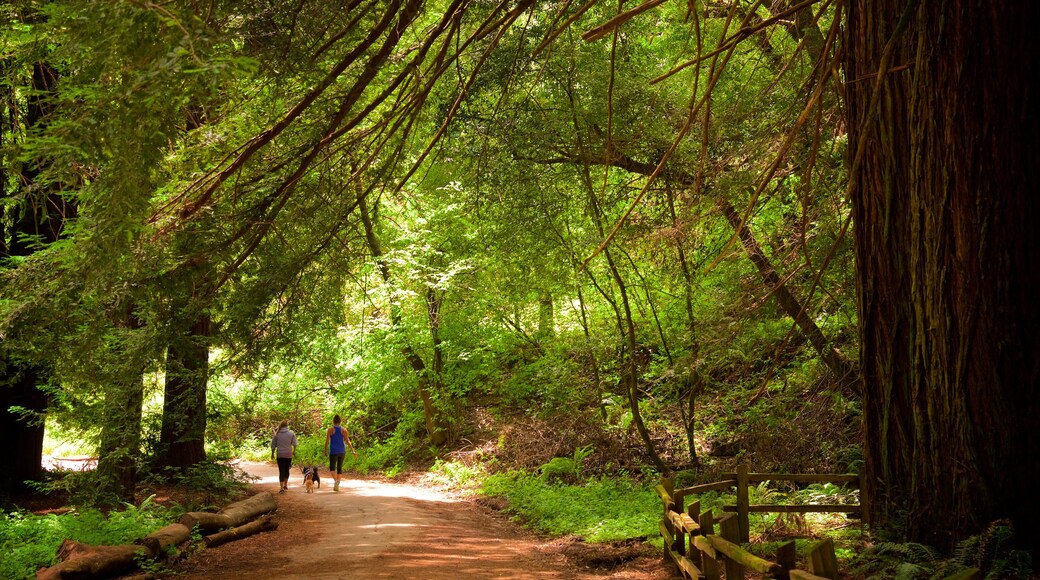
[(946, 213), (38, 212)]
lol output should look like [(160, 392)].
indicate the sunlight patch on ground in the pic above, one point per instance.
[(365, 488), (76, 463)]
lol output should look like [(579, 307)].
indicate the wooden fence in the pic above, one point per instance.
[(707, 554), (742, 479)]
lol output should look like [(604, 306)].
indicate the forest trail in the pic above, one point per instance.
[(374, 529)]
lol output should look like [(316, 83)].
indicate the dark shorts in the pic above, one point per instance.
[(336, 462), (284, 463)]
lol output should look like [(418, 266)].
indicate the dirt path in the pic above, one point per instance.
[(372, 529)]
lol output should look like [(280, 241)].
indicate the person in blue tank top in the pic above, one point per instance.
[(336, 441)]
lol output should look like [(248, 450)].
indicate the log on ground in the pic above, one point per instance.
[(160, 540), (85, 561), (263, 524), (234, 514)]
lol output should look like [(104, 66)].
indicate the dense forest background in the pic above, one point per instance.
[(657, 236)]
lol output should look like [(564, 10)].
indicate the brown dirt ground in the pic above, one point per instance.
[(378, 529)]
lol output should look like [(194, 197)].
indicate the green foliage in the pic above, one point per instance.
[(393, 452), (210, 484), (29, 542), (457, 474), (565, 469), (600, 510), (83, 488), (994, 552)]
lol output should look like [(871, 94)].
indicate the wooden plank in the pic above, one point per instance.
[(801, 508), (716, 486), (704, 548), (667, 535), (786, 555), (803, 575), (688, 568), (703, 544), (684, 522), (743, 557), (669, 485), (707, 522), (678, 500), (843, 478), (822, 561), (694, 510), (694, 554), (743, 522)]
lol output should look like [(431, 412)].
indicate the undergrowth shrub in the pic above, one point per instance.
[(993, 552), (456, 474), (29, 542), (204, 485), (565, 469), (601, 510)]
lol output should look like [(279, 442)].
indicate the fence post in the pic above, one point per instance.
[(680, 533), (711, 565), (786, 555), (742, 505), (822, 561), (730, 530), (864, 509), (668, 484), (694, 553)]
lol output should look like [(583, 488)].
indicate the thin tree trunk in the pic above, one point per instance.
[(691, 381), (837, 362), (436, 427), (627, 326), (546, 318)]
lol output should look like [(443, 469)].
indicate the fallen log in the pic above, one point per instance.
[(86, 561), (205, 522), (264, 524), (160, 540), (233, 515)]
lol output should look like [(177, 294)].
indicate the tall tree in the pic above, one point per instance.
[(182, 436), (37, 216), (945, 141)]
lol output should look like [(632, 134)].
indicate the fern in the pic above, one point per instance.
[(908, 571), (910, 552), (991, 551)]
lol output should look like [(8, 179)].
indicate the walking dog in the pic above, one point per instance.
[(310, 478)]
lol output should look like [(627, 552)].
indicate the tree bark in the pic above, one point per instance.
[(41, 216), (86, 561), (182, 436), (121, 438), (264, 524), (946, 213), (23, 433)]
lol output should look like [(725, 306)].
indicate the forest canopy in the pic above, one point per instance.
[(678, 224)]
